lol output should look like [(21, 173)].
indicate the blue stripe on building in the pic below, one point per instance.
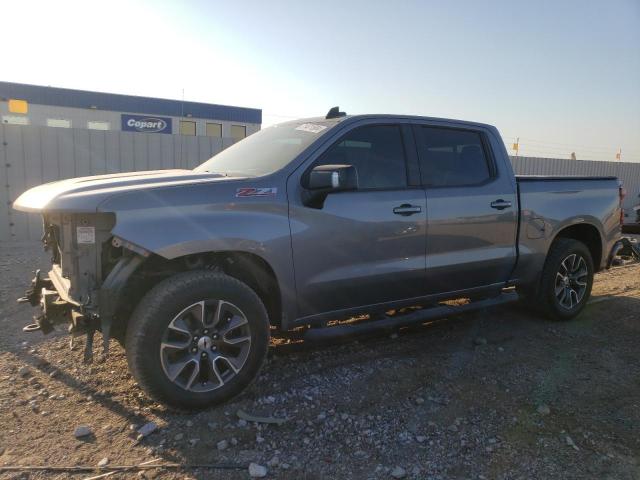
[(65, 97)]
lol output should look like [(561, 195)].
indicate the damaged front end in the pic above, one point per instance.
[(89, 272)]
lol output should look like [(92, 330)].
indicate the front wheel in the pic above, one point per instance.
[(197, 339), (566, 280)]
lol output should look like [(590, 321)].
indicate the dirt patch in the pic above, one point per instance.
[(495, 394)]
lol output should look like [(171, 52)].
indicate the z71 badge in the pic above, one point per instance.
[(256, 192)]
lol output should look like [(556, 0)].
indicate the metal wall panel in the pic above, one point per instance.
[(127, 152), (140, 152), (167, 148), (112, 153), (97, 151), (15, 166), (5, 202), (66, 153), (40, 166), (82, 152), (155, 152), (192, 156)]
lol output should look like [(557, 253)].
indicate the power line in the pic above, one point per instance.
[(533, 140), (573, 146)]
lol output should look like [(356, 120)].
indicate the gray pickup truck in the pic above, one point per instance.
[(338, 224)]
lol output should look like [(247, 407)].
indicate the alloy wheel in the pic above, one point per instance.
[(205, 345), (571, 281)]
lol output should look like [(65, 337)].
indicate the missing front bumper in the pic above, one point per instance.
[(51, 297), (53, 308)]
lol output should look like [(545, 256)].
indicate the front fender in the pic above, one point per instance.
[(181, 221)]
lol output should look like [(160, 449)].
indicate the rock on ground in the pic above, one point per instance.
[(82, 431), (398, 472), (257, 471), (147, 429)]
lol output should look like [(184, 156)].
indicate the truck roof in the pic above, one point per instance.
[(387, 116)]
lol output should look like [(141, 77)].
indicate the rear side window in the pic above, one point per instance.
[(450, 157), (377, 153)]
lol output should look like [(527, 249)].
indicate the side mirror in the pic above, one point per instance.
[(334, 178), (326, 179)]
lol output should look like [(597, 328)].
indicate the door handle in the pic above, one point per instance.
[(406, 209), (500, 204)]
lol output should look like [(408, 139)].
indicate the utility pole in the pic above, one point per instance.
[(619, 154)]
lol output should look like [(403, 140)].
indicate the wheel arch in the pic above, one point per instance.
[(247, 267), (588, 234)]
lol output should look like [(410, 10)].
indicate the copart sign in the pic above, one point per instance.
[(137, 123)]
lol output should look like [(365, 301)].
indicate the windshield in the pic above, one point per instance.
[(266, 151)]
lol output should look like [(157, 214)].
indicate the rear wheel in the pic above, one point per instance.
[(197, 339), (567, 279)]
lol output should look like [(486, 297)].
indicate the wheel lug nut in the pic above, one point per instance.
[(194, 350), (205, 332), (204, 354)]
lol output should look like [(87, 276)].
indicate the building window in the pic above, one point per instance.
[(238, 132), (187, 128), (98, 125), (214, 130), (11, 120), (58, 123)]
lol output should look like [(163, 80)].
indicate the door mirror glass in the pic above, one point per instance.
[(333, 178)]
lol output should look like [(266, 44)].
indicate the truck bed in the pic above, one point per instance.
[(549, 204)]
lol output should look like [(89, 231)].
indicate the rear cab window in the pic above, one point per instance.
[(451, 157)]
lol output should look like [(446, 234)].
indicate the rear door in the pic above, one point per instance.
[(367, 246), (471, 209)]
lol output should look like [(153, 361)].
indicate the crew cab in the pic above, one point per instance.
[(305, 224)]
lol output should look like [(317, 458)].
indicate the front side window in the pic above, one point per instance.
[(450, 157), (377, 153)]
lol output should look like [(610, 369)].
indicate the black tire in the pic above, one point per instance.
[(547, 298), (162, 305)]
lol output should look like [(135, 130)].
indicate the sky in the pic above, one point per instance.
[(563, 75)]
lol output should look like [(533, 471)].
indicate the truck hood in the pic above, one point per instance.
[(85, 194)]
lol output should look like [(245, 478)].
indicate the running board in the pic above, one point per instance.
[(415, 318)]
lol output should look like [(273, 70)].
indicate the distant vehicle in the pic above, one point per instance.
[(307, 222)]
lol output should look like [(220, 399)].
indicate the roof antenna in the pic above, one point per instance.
[(335, 113)]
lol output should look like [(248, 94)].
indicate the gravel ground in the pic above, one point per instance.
[(497, 394)]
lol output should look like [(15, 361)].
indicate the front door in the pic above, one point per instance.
[(471, 209), (361, 247)]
